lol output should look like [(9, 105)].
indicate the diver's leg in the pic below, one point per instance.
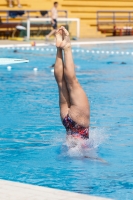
[(64, 102), (79, 110)]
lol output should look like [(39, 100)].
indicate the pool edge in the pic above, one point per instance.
[(21, 191)]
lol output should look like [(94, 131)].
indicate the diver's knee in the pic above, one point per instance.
[(73, 81), (70, 78)]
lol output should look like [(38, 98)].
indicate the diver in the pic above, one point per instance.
[(73, 101)]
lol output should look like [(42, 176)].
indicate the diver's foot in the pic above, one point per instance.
[(58, 36), (62, 38)]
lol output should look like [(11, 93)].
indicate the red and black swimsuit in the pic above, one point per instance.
[(74, 129)]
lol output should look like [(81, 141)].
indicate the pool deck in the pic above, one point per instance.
[(18, 191)]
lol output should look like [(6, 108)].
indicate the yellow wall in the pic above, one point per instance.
[(83, 9), (27, 4)]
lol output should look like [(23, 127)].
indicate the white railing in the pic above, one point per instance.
[(48, 20)]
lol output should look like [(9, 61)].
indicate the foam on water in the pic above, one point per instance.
[(84, 148)]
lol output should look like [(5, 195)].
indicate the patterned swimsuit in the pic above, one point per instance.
[(74, 129)]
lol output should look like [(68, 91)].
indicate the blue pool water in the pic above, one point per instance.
[(33, 148)]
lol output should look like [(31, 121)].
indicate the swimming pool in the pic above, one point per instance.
[(32, 139)]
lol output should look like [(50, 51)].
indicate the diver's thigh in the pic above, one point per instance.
[(78, 96)]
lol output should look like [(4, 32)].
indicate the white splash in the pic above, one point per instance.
[(84, 148)]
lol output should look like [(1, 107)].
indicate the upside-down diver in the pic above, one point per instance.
[(73, 101)]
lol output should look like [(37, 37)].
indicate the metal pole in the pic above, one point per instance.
[(78, 28), (97, 20), (28, 28)]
